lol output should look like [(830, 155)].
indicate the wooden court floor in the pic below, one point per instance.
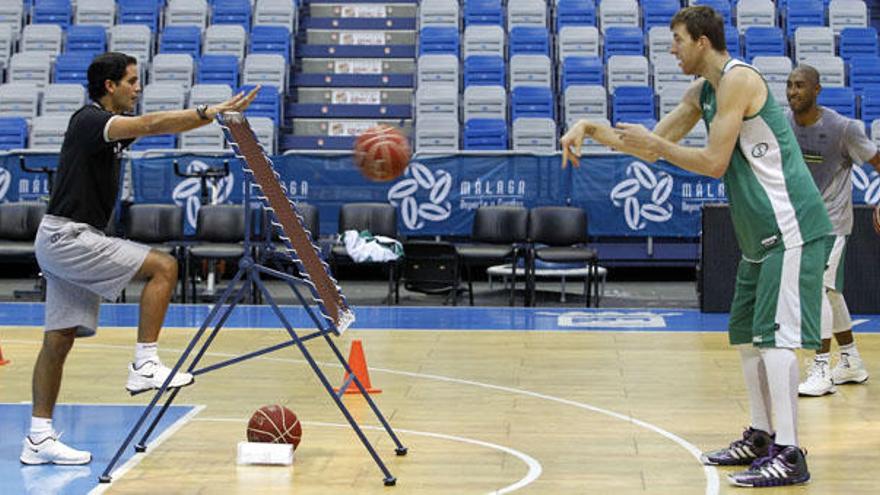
[(587, 412)]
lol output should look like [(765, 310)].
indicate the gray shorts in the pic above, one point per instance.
[(81, 265)]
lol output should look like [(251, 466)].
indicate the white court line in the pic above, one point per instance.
[(711, 473), (534, 466), (137, 458)]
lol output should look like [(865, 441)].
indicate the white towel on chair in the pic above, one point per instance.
[(365, 247)]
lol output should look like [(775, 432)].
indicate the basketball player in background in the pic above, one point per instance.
[(780, 223), (831, 144), (81, 264)]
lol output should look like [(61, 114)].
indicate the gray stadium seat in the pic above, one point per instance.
[(275, 12), (578, 41), (436, 102), (47, 132), (811, 41), (209, 94), (439, 13), (847, 13), (225, 39), (584, 102), (755, 13), (265, 69), (618, 13), (19, 99), (437, 135), (45, 38), (62, 99), (485, 102), (186, 13), (438, 69), (627, 70), (534, 134), (160, 96), (96, 12), (526, 13), (530, 70), (173, 68), (483, 39), (209, 137), (31, 68), (132, 39)]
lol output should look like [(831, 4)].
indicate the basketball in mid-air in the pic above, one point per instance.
[(274, 424), (382, 153)]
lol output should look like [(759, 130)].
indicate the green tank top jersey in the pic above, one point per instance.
[(774, 201)]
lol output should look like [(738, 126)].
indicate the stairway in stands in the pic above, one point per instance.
[(354, 68)]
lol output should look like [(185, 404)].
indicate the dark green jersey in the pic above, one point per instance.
[(773, 200)]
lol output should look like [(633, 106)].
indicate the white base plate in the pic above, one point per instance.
[(276, 454)]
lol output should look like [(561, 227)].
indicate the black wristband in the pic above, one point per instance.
[(202, 110)]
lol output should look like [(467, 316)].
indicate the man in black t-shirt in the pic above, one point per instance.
[(81, 264)]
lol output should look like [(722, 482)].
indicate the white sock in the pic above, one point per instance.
[(756, 384), (850, 350), (823, 357), (144, 352), (41, 428), (782, 380)]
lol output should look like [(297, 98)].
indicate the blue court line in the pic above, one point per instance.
[(99, 429), (428, 318)]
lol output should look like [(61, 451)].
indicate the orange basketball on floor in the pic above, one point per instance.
[(274, 424), (382, 153)]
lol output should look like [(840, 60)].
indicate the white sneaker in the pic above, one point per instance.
[(51, 451), (849, 369), (151, 375), (818, 381)]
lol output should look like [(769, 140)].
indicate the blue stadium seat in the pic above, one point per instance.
[(270, 39), (485, 134), (72, 68), (86, 39), (659, 12), (870, 104), (582, 71), (439, 40), (763, 41), (803, 13), (528, 40), (232, 12), (139, 12), (531, 101), (485, 70), (843, 100), (181, 39), (483, 12), (731, 36), (575, 13), (162, 141), (218, 69), (52, 12), (13, 133), (720, 6), (624, 40), (632, 103), (864, 71), (855, 42), (266, 104)]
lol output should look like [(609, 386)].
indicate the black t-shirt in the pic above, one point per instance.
[(87, 181)]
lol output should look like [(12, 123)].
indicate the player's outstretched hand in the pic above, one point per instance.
[(238, 103), (571, 143), (635, 136)]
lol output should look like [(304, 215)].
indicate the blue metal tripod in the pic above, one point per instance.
[(249, 273)]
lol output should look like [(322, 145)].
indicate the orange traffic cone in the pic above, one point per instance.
[(358, 365), (2, 361)]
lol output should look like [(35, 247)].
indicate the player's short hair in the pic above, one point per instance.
[(701, 20), (809, 71), (107, 66)]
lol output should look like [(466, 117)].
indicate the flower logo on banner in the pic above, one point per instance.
[(638, 208), (189, 191), (869, 184), (5, 181), (418, 178)]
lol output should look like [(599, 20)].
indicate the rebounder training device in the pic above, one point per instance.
[(334, 318)]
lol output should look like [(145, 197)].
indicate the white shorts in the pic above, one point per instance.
[(81, 265)]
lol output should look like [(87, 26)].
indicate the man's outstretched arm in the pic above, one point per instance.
[(736, 91)]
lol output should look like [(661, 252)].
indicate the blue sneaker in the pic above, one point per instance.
[(782, 466), (753, 445)]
